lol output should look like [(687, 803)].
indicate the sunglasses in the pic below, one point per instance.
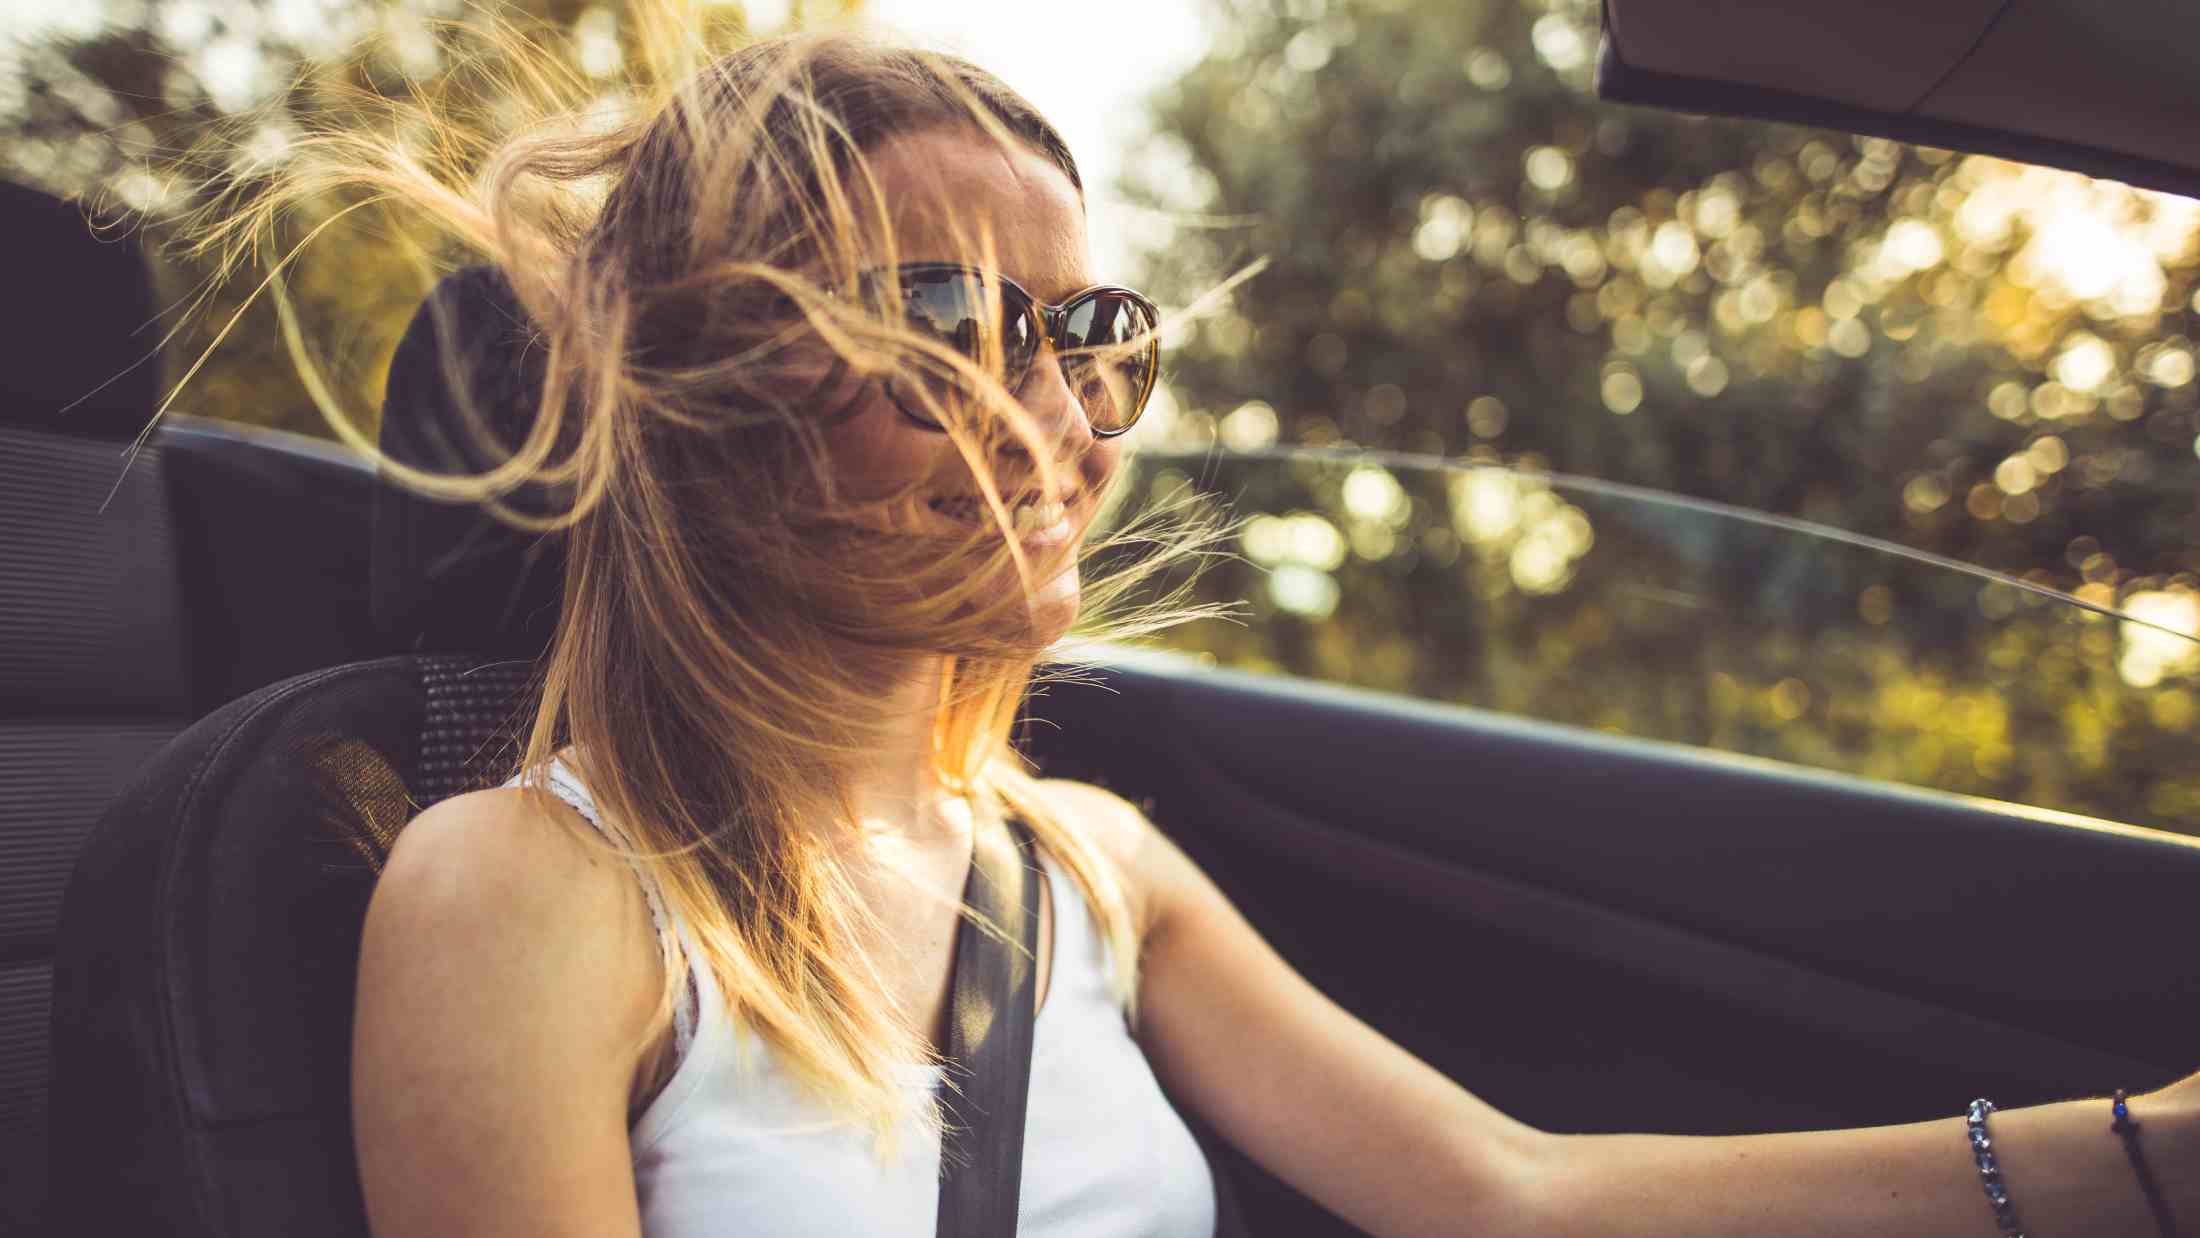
[(1103, 338)]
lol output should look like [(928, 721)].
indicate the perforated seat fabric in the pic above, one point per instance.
[(202, 1005)]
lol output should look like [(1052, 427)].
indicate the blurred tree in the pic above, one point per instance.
[(157, 106), (1474, 256), (1643, 616)]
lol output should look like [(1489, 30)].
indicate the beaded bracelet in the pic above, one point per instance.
[(1989, 1169)]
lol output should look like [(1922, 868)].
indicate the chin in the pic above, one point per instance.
[(1053, 608)]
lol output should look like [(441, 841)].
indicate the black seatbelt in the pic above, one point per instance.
[(991, 1008)]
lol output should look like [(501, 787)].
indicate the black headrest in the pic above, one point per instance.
[(79, 313), (463, 385)]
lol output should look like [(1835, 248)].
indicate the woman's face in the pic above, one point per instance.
[(945, 191)]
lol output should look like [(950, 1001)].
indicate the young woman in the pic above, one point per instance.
[(835, 396)]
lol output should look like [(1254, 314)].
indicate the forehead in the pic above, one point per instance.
[(955, 196)]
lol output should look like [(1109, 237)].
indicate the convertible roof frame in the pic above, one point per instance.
[(1645, 41)]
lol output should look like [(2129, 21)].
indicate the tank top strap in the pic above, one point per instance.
[(563, 783)]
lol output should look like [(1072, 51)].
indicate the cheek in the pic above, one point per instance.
[(1098, 470), (1106, 457), (877, 452)]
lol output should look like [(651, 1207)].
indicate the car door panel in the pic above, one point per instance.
[(1605, 934)]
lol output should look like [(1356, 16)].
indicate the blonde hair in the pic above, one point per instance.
[(728, 614)]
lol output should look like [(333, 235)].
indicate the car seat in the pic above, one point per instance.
[(93, 672), (141, 584), (203, 981)]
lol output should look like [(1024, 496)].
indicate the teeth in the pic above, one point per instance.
[(1033, 515), (1037, 517)]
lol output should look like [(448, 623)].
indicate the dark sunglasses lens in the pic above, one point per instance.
[(1110, 357), (951, 306)]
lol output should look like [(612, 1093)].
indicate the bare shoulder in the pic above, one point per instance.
[(506, 976), (1114, 824), (1154, 870), (493, 892), (502, 852)]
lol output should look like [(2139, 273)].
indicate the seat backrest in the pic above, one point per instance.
[(209, 939), (93, 674), (203, 987), (137, 590)]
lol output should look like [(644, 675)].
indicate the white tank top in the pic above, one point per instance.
[(727, 1149)]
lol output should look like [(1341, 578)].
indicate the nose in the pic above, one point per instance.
[(1057, 413)]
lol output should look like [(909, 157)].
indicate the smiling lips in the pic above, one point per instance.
[(1039, 522)]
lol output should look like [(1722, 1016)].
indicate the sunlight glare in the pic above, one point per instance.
[(2150, 655)]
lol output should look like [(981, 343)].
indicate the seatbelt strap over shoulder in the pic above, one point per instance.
[(991, 1010)]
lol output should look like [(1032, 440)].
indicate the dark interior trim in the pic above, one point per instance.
[(1985, 29), (1621, 82), (1750, 980)]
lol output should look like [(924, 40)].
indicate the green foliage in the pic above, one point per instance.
[(169, 106), (1642, 616), (1473, 257), (1850, 330)]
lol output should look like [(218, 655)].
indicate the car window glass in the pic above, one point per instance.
[(1642, 614)]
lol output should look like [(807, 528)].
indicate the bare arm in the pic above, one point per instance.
[(2066, 1172), (505, 975), (1330, 1105)]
